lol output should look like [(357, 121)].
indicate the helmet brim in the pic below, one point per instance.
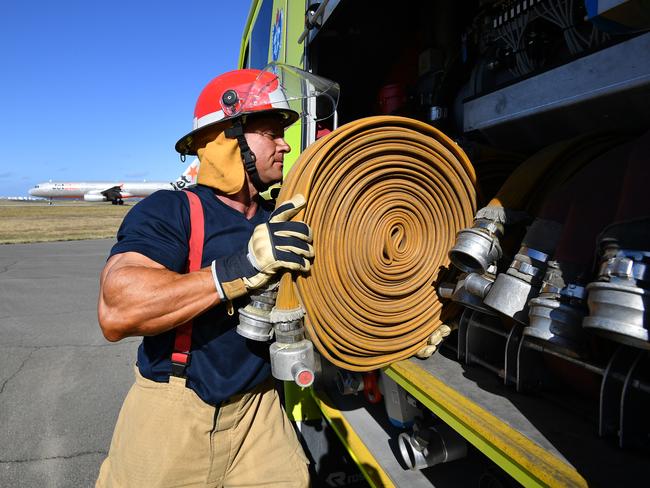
[(186, 145)]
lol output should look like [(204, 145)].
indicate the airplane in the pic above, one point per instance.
[(111, 191)]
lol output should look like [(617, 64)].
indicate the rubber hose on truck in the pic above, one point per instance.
[(385, 199)]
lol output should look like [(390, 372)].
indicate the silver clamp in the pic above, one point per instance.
[(533, 254), (570, 291), (525, 268), (624, 267), (490, 225)]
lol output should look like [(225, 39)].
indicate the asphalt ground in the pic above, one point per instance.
[(61, 383)]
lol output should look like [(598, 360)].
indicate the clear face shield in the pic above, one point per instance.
[(284, 87)]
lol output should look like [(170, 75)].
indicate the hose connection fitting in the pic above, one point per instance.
[(513, 289), (470, 289), (292, 355), (556, 314), (478, 247), (254, 319), (619, 301), (428, 446)]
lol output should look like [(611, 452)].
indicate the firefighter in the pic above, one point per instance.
[(203, 410)]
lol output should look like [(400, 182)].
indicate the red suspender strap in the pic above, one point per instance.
[(183, 340)]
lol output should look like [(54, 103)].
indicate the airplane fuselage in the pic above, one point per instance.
[(80, 190), (111, 191)]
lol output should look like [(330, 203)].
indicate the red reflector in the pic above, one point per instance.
[(179, 357), (305, 378)]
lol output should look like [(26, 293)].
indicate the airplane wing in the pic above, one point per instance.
[(113, 193)]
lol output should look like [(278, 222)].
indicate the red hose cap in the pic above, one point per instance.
[(304, 378)]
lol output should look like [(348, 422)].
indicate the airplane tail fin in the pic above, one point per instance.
[(189, 176)]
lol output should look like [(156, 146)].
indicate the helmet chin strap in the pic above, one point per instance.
[(236, 131)]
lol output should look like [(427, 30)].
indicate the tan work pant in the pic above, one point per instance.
[(166, 436)]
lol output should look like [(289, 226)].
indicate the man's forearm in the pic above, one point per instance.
[(140, 301)]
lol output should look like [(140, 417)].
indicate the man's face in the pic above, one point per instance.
[(265, 137)]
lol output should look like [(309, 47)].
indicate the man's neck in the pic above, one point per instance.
[(244, 201)]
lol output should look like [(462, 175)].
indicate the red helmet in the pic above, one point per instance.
[(232, 95)]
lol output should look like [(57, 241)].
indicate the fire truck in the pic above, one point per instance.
[(544, 379)]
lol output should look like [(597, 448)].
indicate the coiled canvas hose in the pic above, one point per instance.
[(385, 199)]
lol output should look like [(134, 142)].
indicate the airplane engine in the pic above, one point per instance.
[(94, 197)]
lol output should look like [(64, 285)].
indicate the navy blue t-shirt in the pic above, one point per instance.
[(223, 363)]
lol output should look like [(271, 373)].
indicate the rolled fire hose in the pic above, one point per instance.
[(385, 198)]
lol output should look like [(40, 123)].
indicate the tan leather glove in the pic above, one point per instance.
[(274, 246)]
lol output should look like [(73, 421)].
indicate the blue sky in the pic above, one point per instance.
[(101, 90)]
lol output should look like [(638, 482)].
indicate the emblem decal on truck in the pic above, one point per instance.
[(276, 35)]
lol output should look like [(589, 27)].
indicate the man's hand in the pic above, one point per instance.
[(274, 246), (281, 244)]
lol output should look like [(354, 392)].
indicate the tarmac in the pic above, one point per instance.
[(61, 383)]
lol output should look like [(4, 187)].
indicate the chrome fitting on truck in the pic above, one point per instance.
[(513, 289), (556, 314), (426, 447), (478, 247), (619, 302), (470, 290)]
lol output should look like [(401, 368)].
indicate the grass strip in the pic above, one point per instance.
[(38, 222)]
